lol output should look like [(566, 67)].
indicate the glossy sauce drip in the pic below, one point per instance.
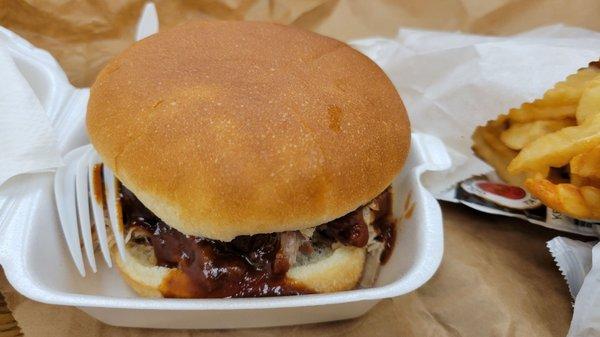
[(387, 234), (385, 224), (98, 183)]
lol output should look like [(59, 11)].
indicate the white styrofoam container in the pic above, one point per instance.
[(38, 265)]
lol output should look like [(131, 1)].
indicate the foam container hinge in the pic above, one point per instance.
[(38, 265)]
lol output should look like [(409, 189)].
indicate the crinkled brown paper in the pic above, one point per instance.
[(497, 278)]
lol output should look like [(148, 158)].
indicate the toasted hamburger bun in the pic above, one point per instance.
[(237, 128), (341, 270)]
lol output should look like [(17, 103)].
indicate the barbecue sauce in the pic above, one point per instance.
[(385, 225), (352, 230), (248, 266)]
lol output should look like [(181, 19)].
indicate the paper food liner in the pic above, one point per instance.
[(451, 83), (488, 193)]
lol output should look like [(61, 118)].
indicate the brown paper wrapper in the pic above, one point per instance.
[(496, 279), (84, 35)]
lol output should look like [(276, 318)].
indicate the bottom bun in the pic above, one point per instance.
[(341, 270)]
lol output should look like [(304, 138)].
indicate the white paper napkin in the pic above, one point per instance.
[(579, 262), (574, 260), (452, 82), (28, 143)]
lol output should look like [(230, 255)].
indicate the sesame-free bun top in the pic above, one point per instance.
[(236, 128)]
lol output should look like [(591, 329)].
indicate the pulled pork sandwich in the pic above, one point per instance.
[(253, 159)]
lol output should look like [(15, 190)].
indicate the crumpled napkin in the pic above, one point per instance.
[(452, 82), (28, 143), (579, 262)]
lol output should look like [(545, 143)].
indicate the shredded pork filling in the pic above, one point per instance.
[(260, 261)]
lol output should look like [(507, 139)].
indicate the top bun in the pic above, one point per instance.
[(238, 128)]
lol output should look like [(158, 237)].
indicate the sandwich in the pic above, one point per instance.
[(253, 159)]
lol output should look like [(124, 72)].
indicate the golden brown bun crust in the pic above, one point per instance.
[(231, 128)]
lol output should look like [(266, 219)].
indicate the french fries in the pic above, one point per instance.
[(487, 144), (585, 168), (578, 202), (559, 102), (530, 112), (551, 146), (558, 148), (519, 135), (590, 101)]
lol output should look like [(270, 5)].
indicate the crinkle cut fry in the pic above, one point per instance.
[(581, 202), (558, 103), (488, 146), (566, 124), (585, 168)]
